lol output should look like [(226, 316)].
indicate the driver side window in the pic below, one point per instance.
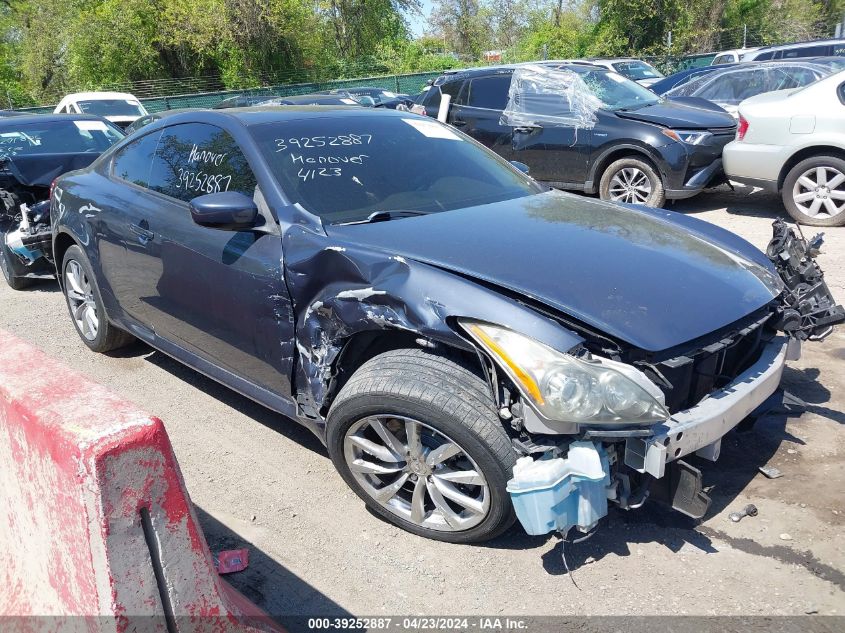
[(194, 159)]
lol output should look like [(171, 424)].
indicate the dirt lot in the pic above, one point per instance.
[(262, 480)]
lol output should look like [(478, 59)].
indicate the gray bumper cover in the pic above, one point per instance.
[(700, 429)]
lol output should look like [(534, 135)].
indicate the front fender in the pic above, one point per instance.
[(340, 291)]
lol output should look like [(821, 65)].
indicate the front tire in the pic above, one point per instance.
[(86, 307), (814, 191), (417, 437), (14, 282), (633, 181)]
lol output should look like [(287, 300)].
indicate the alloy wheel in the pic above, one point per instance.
[(630, 185), (417, 473), (80, 296), (820, 192)]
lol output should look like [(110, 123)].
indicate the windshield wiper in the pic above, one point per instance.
[(384, 216)]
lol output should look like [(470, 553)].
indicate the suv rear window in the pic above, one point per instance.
[(804, 51), (452, 89), (489, 92)]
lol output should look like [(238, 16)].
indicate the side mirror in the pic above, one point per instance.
[(224, 210), (520, 166)]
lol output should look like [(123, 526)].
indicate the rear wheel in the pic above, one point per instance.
[(15, 283), (634, 181), (814, 191), (417, 437), (86, 305)]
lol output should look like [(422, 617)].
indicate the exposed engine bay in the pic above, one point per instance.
[(566, 477), (25, 229)]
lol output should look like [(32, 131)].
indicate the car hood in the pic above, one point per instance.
[(653, 278), (679, 115), (39, 170)]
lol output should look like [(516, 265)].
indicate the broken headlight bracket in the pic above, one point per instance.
[(809, 310)]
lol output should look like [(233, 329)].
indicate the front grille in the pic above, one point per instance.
[(686, 379)]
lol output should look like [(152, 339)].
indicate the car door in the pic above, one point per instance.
[(219, 294), (478, 109), (556, 153), (119, 221)]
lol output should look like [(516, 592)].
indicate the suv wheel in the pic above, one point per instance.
[(417, 437), (634, 181), (15, 283), (814, 191), (86, 305)]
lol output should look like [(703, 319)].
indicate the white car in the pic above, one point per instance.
[(121, 108), (793, 141), (634, 69), (733, 56)]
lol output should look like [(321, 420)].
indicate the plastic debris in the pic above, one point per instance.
[(541, 96), (231, 561), (771, 472)]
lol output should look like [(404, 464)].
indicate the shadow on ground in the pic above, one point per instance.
[(741, 201), (272, 420), (286, 597)]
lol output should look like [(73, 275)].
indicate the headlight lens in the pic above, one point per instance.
[(563, 387), (690, 137)]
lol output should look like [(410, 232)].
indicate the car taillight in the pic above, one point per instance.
[(742, 128)]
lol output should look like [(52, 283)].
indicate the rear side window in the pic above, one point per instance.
[(133, 162), (804, 51), (194, 159), (764, 56), (489, 92), (435, 92)]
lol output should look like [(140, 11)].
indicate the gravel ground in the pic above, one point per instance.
[(262, 481)]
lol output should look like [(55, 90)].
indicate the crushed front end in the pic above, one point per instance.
[(628, 443), (25, 233)]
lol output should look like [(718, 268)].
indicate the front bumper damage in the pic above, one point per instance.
[(700, 429), (572, 482)]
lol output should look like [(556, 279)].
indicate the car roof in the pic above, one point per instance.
[(503, 69), (774, 47), (259, 115), (98, 96), (46, 118)]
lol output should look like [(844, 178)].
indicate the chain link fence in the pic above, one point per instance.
[(408, 84)]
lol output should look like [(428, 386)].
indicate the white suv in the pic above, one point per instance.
[(793, 141)]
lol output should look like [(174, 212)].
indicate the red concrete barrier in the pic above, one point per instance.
[(95, 519)]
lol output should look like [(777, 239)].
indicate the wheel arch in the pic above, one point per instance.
[(365, 345), (804, 154), (616, 153), (61, 243)]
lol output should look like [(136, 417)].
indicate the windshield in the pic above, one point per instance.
[(637, 70), (344, 169), (734, 86), (616, 92), (57, 137), (112, 107)]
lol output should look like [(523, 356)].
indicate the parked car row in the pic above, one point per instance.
[(639, 147)]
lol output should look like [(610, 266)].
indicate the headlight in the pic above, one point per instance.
[(690, 137), (565, 388)]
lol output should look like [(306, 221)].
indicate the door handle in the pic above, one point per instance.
[(459, 123), (141, 230), (524, 130)]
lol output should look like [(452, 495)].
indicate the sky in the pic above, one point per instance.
[(418, 20)]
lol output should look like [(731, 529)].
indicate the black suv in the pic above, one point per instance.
[(641, 149)]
